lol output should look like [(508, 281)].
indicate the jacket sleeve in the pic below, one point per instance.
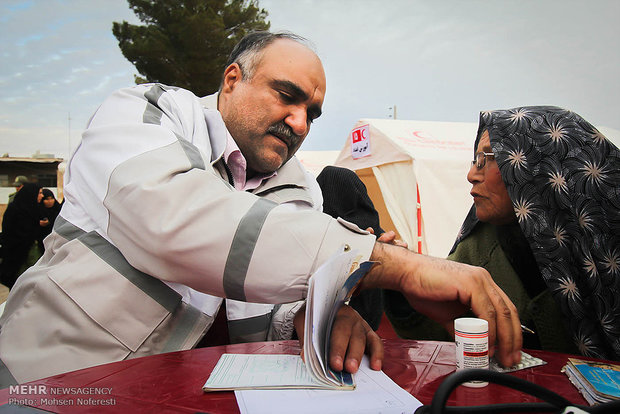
[(143, 179)]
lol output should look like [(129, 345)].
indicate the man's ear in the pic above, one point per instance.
[(232, 75)]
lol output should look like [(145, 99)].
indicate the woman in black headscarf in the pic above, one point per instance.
[(345, 195), (546, 225), (49, 208), (20, 229)]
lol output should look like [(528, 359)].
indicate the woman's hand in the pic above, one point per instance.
[(388, 237), (444, 290)]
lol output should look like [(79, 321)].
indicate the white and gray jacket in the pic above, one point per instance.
[(148, 222)]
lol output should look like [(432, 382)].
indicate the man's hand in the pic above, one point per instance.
[(351, 336), (444, 290)]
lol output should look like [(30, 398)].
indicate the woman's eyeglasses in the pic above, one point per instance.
[(480, 159)]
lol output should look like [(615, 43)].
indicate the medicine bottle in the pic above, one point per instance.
[(471, 336)]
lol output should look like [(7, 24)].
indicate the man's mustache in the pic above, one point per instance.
[(281, 130)]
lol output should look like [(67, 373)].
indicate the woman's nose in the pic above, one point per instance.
[(474, 174)]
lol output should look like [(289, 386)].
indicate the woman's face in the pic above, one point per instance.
[(48, 202), (40, 195), (493, 204)]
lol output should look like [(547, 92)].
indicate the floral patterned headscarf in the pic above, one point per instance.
[(563, 177)]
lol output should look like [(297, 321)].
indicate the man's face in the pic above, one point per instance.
[(493, 204), (270, 114)]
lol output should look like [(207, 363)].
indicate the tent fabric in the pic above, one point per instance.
[(444, 200), (399, 197)]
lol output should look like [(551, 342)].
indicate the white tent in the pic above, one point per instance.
[(415, 172)]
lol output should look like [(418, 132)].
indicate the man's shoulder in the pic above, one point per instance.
[(209, 101), (294, 183), (155, 92), (293, 172)]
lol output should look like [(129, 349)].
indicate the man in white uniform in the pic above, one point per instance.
[(173, 202)]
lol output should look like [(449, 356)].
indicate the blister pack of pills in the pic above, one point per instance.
[(527, 361)]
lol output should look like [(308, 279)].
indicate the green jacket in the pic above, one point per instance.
[(482, 248)]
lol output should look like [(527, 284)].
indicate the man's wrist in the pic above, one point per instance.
[(392, 265)]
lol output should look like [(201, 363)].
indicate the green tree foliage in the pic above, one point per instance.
[(186, 43)]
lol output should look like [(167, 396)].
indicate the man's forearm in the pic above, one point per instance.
[(393, 264)]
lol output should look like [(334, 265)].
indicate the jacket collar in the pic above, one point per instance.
[(215, 125)]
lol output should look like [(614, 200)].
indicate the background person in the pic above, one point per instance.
[(546, 224), (49, 208), (20, 224), (20, 180)]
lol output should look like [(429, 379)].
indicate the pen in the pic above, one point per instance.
[(527, 330)]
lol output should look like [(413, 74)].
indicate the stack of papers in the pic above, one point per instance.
[(258, 371), (329, 288), (598, 382), (375, 393)]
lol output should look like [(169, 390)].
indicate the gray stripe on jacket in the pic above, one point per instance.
[(242, 248), (155, 288)]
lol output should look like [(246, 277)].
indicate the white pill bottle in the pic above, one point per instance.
[(471, 336)]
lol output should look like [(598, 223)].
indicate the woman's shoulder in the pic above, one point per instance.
[(478, 247)]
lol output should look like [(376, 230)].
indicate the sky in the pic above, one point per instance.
[(433, 60)]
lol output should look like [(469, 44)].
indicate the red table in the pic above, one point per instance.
[(172, 383)]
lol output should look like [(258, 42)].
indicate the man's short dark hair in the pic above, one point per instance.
[(248, 52)]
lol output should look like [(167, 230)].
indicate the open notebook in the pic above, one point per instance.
[(329, 288)]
